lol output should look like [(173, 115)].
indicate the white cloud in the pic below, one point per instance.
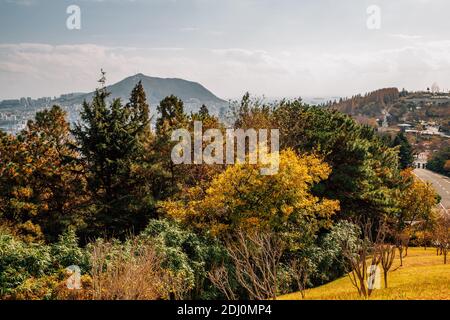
[(189, 29), (20, 2), (31, 69), (405, 36)]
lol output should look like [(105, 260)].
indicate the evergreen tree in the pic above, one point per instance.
[(203, 113), (365, 170), (406, 157), (139, 109), (171, 117), (200, 175), (110, 142)]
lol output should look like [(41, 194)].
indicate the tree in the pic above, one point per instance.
[(438, 161), (242, 198), (333, 264), (220, 278), (256, 258), (406, 157), (203, 113), (110, 139), (359, 254), (30, 271), (365, 170), (200, 174), (387, 254), (171, 117), (441, 235), (401, 238), (416, 202), (251, 113), (139, 110), (40, 180)]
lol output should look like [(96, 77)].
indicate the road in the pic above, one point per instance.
[(440, 183)]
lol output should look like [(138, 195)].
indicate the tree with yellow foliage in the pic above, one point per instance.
[(416, 201), (242, 198)]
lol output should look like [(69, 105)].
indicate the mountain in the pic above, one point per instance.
[(193, 94)]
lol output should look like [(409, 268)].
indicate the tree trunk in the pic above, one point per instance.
[(400, 249), (385, 279), (363, 288)]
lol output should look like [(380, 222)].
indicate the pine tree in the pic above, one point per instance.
[(406, 157), (110, 141), (139, 108), (172, 116), (203, 112), (365, 170)]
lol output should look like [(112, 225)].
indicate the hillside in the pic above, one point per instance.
[(423, 276), (15, 113), (389, 107), (370, 104), (193, 94)]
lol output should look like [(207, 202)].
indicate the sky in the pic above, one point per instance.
[(275, 48)]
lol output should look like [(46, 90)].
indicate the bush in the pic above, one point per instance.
[(333, 265), (185, 252), (31, 270), (66, 252), (20, 261), (131, 271)]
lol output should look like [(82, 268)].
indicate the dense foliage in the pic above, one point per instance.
[(105, 196), (439, 162)]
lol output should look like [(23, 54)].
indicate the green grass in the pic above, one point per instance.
[(422, 276)]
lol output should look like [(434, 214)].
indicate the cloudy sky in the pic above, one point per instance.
[(269, 47)]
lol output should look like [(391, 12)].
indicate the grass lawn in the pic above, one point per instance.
[(423, 276)]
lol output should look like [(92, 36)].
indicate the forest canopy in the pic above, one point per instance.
[(104, 195)]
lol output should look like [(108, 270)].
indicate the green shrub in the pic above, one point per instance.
[(332, 264), (187, 253), (66, 252), (34, 265), (20, 261)]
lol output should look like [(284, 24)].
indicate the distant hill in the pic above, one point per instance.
[(193, 94), (390, 107), (371, 104)]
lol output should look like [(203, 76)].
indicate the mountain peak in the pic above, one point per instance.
[(140, 76), (159, 88), (193, 94)]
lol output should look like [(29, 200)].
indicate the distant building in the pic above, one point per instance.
[(421, 160), (435, 88), (404, 126), (10, 103)]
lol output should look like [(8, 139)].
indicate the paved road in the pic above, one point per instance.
[(440, 183)]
